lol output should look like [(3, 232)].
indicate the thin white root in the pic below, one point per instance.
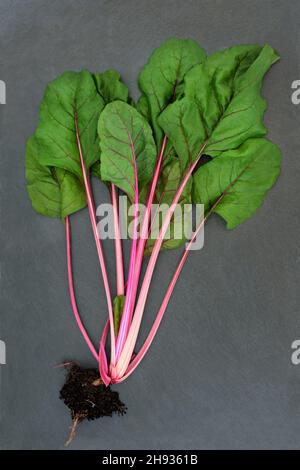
[(73, 431)]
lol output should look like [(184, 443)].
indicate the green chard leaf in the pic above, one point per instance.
[(125, 136), (161, 83), (53, 192), (53, 169), (142, 107), (42, 187), (162, 76), (235, 183), (70, 98), (222, 105), (165, 192), (111, 88)]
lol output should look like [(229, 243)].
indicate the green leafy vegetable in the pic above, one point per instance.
[(70, 100), (163, 74), (143, 107), (110, 87), (125, 138), (238, 180), (53, 192), (222, 106), (191, 106)]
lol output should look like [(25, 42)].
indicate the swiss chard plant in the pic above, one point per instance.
[(196, 135)]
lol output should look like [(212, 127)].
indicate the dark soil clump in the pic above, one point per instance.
[(87, 397)]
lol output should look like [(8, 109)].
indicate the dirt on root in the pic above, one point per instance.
[(87, 397)]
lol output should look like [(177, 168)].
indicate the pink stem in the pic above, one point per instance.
[(118, 243), (128, 348), (72, 294), (132, 290), (154, 215), (140, 355), (97, 241), (103, 365), (138, 358), (145, 225), (129, 300)]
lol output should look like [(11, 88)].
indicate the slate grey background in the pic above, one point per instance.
[(219, 374)]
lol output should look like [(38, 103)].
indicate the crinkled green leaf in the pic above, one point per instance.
[(43, 188), (73, 197), (118, 307), (163, 74), (72, 96), (222, 105), (239, 179), (125, 136), (53, 191), (143, 108), (110, 86), (183, 125)]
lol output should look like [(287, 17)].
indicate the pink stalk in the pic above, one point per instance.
[(140, 250), (101, 358), (137, 359), (129, 345), (140, 355), (145, 224), (103, 366), (72, 294), (118, 243), (154, 215), (128, 306), (92, 214)]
